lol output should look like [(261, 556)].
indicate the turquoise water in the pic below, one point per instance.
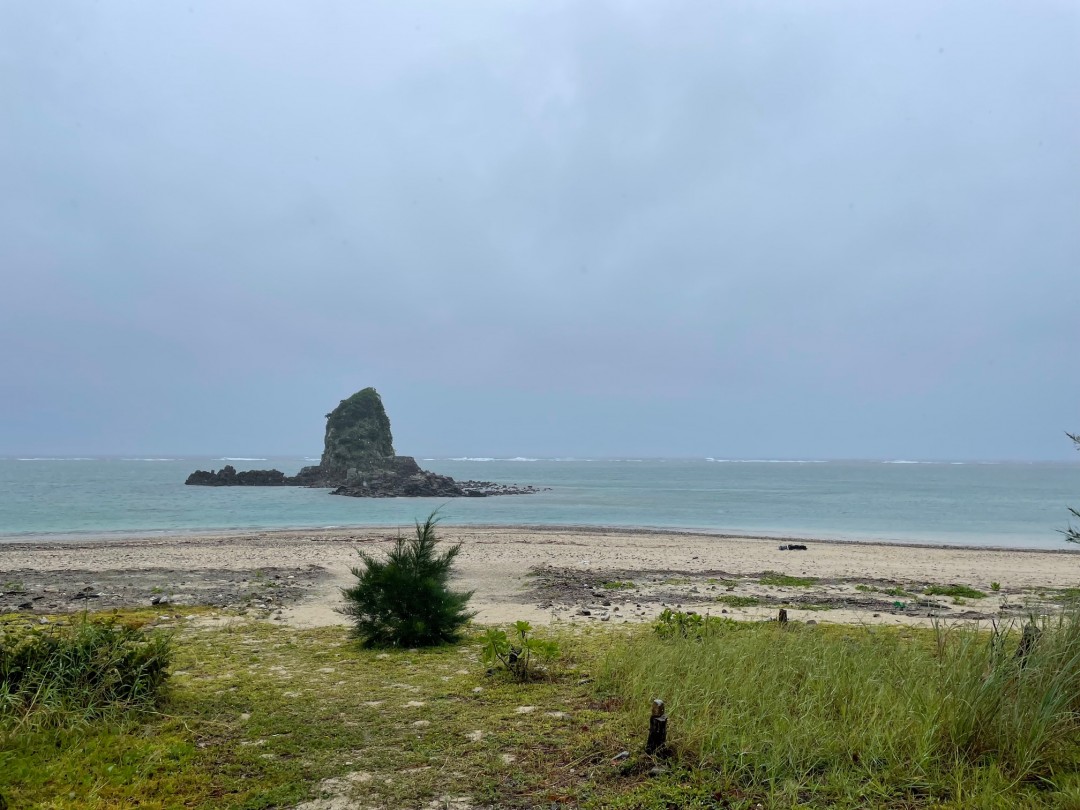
[(1007, 504)]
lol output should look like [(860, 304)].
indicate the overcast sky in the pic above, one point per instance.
[(735, 229)]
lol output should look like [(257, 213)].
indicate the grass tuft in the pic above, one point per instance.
[(955, 591), (60, 674), (786, 581)]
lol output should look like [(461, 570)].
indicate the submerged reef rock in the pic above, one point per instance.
[(358, 459)]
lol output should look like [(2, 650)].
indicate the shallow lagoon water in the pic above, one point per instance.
[(993, 504), (1006, 504)]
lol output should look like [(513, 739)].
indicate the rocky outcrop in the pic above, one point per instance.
[(229, 477), (358, 459), (357, 435)]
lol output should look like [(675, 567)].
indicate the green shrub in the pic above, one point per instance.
[(53, 674), (405, 600), (517, 654)]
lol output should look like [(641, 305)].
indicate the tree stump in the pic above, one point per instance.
[(782, 617), (657, 742), (1027, 643)]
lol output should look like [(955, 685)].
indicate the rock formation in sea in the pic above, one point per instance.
[(358, 459)]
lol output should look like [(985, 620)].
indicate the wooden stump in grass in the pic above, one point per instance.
[(782, 617), (657, 742), (1027, 643)]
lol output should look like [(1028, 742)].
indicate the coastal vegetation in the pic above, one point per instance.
[(60, 674), (261, 715), (785, 580), (804, 716), (519, 652), (405, 600)]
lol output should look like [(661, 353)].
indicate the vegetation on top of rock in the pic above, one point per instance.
[(357, 432)]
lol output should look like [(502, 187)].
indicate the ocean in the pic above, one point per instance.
[(1019, 505)]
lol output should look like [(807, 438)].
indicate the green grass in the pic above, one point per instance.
[(259, 715), (785, 581), (802, 716), (264, 716), (955, 591), (738, 601), (616, 585), (73, 672)]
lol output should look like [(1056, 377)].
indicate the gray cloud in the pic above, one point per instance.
[(829, 230)]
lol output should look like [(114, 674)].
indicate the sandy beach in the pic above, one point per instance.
[(544, 575)]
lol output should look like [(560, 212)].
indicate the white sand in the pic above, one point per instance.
[(495, 562)]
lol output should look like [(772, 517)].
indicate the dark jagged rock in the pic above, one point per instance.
[(358, 460), (229, 477)]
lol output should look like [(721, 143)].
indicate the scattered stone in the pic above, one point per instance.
[(619, 757), (793, 547)]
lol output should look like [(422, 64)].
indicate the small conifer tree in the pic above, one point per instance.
[(405, 600)]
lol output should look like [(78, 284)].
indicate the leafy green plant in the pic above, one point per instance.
[(518, 653), (405, 600), (995, 586), (616, 585), (55, 674), (678, 624)]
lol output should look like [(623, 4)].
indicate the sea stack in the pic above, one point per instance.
[(358, 459)]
